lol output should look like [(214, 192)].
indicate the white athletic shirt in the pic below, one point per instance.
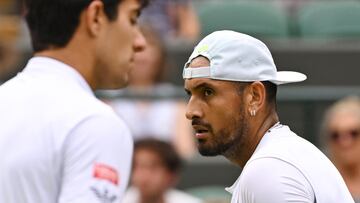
[(132, 195), (287, 168), (58, 143)]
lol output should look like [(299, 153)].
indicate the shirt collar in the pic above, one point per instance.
[(232, 188), (47, 65)]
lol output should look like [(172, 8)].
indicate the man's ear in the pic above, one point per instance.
[(255, 97), (94, 17)]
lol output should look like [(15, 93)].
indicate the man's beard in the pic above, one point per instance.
[(225, 142)]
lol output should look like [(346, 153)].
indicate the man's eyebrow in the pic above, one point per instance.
[(137, 10), (200, 86)]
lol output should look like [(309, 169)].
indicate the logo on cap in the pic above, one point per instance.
[(202, 48)]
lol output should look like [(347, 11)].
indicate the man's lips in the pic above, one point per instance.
[(200, 131)]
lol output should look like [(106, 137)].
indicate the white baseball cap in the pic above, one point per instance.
[(239, 57)]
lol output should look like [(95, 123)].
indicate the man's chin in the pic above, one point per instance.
[(206, 151), (116, 85), (151, 194)]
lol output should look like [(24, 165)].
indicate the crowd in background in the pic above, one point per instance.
[(340, 135), (166, 21), (177, 22)]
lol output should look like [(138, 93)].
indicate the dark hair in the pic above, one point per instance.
[(52, 23), (270, 88), (164, 150)]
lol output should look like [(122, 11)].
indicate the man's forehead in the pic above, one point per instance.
[(199, 61)]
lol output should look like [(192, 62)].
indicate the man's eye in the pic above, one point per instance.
[(208, 92), (134, 20)]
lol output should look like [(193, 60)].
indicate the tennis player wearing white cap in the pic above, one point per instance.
[(232, 82)]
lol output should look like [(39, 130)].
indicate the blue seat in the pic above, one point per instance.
[(340, 19), (260, 19)]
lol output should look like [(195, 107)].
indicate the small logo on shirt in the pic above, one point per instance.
[(105, 172), (104, 196)]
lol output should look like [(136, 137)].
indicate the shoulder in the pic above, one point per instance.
[(269, 168), (101, 124), (177, 196), (282, 143), (274, 180), (79, 107), (96, 124)]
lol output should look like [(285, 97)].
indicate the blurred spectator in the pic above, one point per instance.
[(6, 6), (9, 54), (292, 6), (163, 119), (10, 7), (341, 133), (156, 168), (173, 19)]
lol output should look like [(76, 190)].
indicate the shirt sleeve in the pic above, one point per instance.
[(96, 161), (267, 180)]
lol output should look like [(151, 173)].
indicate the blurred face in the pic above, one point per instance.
[(117, 45), (344, 138), (150, 175), (216, 110), (146, 64)]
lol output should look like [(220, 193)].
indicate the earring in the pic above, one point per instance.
[(252, 112)]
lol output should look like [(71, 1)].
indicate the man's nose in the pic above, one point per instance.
[(139, 41), (193, 110)]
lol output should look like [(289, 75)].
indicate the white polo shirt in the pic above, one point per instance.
[(58, 143), (287, 168)]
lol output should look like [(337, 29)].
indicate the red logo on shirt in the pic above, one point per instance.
[(105, 172)]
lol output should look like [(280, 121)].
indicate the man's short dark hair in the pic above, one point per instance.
[(166, 152), (52, 23), (271, 90)]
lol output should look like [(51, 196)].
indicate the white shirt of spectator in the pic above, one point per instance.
[(287, 168), (58, 143), (161, 127)]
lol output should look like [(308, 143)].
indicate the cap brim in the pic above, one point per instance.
[(284, 77)]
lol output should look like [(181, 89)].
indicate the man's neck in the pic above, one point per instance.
[(78, 60), (351, 175), (351, 172), (251, 138), (152, 199)]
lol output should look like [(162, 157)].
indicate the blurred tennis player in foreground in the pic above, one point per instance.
[(58, 143)]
